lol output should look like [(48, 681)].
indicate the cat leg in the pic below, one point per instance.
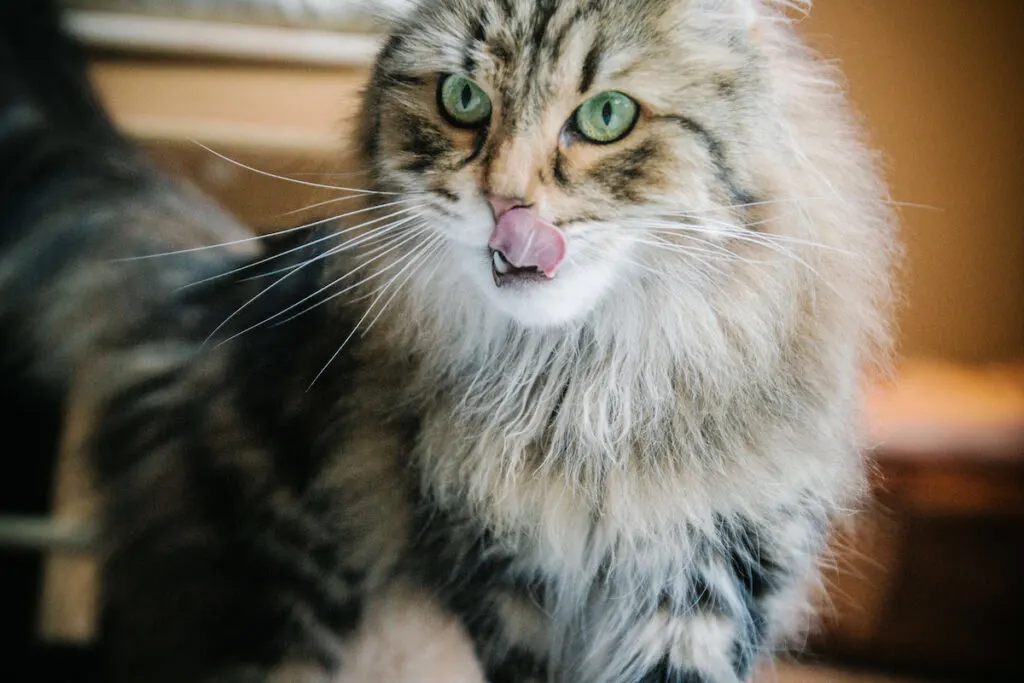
[(748, 595)]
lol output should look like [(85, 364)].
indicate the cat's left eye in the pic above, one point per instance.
[(606, 117), (463, 102)]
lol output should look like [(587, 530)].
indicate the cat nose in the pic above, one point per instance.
[(500, 205)]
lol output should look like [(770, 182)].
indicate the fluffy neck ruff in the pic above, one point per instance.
[(652, 416)]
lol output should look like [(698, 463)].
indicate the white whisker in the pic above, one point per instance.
[(306, 183), (317, 205), (333, 174), (762, 239), (348, 288), (304, 245), (401, 239), (369, 309), (256, 238), (738, 232), (271, 286), (427, 253), (714, 251), (382, 232), (799, 200)]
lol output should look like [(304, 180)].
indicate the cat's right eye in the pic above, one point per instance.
[(463, 102)]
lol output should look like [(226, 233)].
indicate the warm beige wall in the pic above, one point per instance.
[(942, 85)]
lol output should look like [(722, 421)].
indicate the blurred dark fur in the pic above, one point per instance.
[(124, 336)]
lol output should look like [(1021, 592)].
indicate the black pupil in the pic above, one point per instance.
[(467, 95), (606, 112)]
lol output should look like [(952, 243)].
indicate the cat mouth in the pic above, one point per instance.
[(524, 247), (505, 273)]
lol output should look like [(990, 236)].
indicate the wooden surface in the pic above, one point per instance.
[(950, 439), (796, 673), (929, 580), (294, 109)]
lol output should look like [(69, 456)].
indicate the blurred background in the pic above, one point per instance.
[(926, 584)]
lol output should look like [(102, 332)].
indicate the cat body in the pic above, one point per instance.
[(592, 387)]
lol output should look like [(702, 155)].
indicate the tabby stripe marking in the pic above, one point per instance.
[(717, 151)]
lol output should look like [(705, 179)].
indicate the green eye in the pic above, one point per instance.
[(606, 117), (463, 102)]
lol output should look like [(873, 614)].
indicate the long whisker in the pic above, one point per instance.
[(742, 236), (355, 327), (402, 239), (306, 183), (348, 288), (428, 252), (757, 238), (383, 232), (317, 205), (256, 238), (719, 255), (704, 220), (700, 265), (798, 200), (325, 174), (264, 292), (760, 239), (333, 235), (714, 251), (370, 237), (913, 205), (707, 247), (763, 239), (738, 232), (334, 200)]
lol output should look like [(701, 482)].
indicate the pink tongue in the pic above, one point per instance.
[(527, 241)]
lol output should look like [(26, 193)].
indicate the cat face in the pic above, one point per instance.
[(559, 146)]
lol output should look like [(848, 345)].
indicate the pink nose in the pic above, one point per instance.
[(502, 204)]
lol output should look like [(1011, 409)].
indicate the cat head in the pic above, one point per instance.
[(565, 150)]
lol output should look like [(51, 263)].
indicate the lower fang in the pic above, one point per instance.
[(500, 264)]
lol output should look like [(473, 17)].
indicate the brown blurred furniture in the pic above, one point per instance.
[(930, 582), (302, 131)]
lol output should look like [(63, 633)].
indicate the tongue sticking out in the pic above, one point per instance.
[(527, 241)]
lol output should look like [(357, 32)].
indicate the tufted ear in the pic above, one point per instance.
[(756, 8), (729, 14), (746, 11), (751, 15)]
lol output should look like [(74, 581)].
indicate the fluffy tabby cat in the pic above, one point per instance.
[(584, 368)]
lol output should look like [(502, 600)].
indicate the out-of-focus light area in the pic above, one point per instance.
[(926, 585)]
